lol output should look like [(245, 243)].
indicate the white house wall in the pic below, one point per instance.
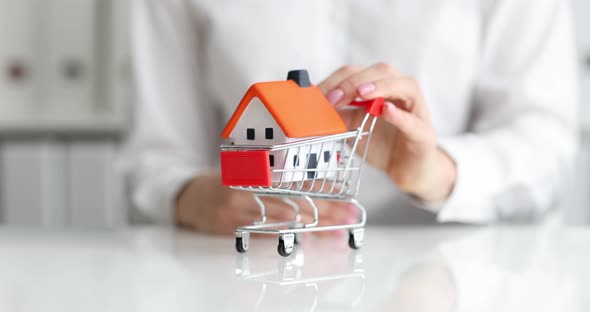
[(257, 117), (299, 172)]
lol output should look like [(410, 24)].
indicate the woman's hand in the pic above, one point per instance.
[(404, 143), (206, 205)]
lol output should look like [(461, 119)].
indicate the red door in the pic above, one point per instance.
[(245, 168)]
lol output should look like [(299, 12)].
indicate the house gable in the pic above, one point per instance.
[(254, 126)]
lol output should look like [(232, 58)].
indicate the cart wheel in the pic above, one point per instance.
[(282, 249), (242, 242), (356, 238), (286, 244)]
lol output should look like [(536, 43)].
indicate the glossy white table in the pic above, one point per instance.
[(398, 269)]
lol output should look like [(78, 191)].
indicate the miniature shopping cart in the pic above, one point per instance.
[(306, 154)]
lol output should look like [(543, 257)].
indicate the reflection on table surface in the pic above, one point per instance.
[(398, 269)]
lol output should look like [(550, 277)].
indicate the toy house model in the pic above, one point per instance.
[(275, 113)]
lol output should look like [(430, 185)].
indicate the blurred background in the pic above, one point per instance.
[(66, 102)]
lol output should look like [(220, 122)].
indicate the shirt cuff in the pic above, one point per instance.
[(477, 174), (158, 200)]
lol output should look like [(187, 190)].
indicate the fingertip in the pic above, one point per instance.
[(335, 96), (365, 89), (389, 105), (389, 111)]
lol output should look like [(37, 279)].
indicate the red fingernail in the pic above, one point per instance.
[(366, 88), (335, 95)]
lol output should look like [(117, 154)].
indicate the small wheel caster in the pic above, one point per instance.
[(356, 238), (286, 244), (242, 241)]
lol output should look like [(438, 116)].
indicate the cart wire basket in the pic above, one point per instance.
[(336, 179)]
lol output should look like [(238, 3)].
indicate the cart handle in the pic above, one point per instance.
[(373, 107)]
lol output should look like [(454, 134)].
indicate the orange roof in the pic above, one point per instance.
[(299, 111)]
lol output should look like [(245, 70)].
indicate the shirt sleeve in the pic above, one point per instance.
[(522, 138), (171, 138)]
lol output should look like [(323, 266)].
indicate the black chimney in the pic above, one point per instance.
[(301, 77)]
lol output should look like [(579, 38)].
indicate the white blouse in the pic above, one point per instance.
[(499, 78)]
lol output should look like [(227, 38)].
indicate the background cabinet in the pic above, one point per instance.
[(71, 38), (64, 108), (95, 191), (582, 22), (576, 203), (33, 182), (18, 74)]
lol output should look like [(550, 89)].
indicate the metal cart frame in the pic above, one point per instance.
[(338, 181)]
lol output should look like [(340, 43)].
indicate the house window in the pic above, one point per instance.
[(295, 161), (312, 163), (326, 156), (268, 134), (250, 134), (271, 159)]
